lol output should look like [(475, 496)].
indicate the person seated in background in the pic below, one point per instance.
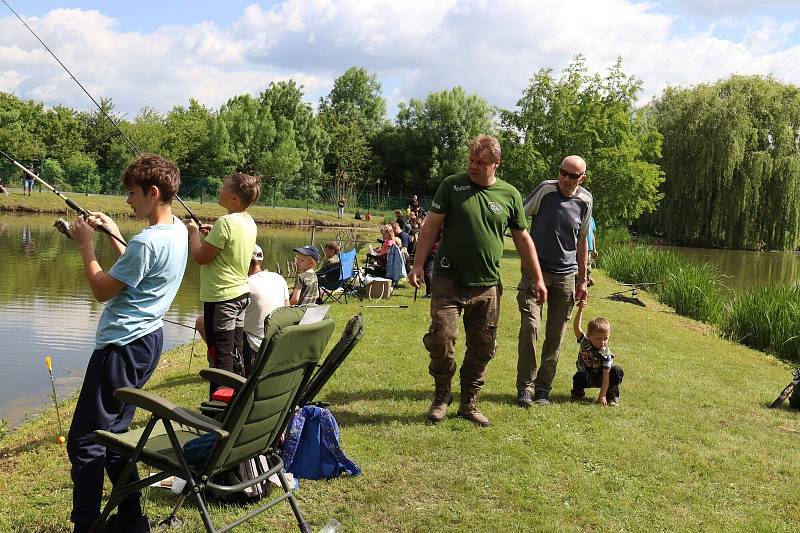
[(328, 271), (378, 267), (403, 251), (405, 238), (268, 291), (306, 287), (358, 215), (414, 233), (331, 256), (367, 216), (399, 217)]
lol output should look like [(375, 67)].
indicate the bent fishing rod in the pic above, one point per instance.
[(99, 107), (81, 211)]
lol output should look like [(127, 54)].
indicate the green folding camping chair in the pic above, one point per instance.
[(252, 425)]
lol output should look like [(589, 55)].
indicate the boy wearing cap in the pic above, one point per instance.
[(268, 291), (306, 288), (224, 258)]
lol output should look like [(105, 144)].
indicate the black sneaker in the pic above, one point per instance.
[(541, 397), (577, 393), (524, 398), (115, 524)]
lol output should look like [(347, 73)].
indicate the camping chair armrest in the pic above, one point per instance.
[(164, 408), (223, 377)]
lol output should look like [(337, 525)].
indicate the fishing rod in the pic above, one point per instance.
[(634, 287), (99, 107), (83, 212)]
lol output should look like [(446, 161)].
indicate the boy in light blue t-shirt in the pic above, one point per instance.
[(139, 289)]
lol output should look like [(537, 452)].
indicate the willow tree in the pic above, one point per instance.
[(730, 156)]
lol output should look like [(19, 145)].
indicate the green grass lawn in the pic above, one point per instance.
[(691, 447), (47, 202)]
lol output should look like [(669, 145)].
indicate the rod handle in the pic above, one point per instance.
[(75, 206), (49, 363)]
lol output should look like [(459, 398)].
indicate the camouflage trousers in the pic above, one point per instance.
[(480, 307)]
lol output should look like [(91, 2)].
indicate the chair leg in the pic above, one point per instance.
[(118, 490), (192, 487), (301, 522), (172, 521)]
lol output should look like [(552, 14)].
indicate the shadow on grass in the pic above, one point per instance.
[(29, 446), (178, 381)]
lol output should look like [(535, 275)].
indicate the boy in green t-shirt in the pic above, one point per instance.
[(224, 258)]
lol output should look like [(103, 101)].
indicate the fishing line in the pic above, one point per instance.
[(83, 212), (99, 107), (162, 318)]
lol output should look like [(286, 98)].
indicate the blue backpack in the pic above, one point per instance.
[(311, 450)]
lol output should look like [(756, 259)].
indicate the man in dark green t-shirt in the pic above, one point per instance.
[(473, 211)]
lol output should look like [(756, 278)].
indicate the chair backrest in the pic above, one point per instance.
[(353, 331), (261, 409), (347, 262)]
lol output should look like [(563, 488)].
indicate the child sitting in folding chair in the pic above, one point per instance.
[(328, 271)]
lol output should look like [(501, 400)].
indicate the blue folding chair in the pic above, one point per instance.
[(346, 281)]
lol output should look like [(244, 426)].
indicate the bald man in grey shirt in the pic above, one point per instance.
[(561, 210)]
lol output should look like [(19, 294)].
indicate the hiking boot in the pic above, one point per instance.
[(577, 393), (468, 408), (442, 397), (115, 524), (541, 397), (524, 398)]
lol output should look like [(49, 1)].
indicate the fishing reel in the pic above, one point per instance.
[(63, 227)]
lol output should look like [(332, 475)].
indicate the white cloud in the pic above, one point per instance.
[(491, 48)]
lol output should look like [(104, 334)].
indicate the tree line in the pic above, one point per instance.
[(348, 143), (714, 164)]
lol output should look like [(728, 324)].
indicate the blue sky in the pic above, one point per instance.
[(161, 54)]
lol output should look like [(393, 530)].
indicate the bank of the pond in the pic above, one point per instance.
[(47, 202), (765, 318), (692, 446)]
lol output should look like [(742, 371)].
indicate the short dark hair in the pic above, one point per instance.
[(246, 187), (600, 325), (153, 170)]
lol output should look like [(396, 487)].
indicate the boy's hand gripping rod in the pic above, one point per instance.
[(83, 212), (103, 111)]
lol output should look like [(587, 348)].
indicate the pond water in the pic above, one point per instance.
[(46, 307), (743, 269)]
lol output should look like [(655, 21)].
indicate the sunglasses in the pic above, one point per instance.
[(570, 175)]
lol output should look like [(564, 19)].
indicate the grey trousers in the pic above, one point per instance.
[(560, 301)]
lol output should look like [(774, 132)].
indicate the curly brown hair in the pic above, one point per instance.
[(153, 170), (246, 187)]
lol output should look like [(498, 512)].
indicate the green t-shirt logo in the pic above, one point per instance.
[(495, 208)]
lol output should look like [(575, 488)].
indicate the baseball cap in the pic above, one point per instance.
[(310, 251), (258, 254)]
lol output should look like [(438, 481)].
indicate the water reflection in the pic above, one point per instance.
[(46, 307), (743, 269)]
